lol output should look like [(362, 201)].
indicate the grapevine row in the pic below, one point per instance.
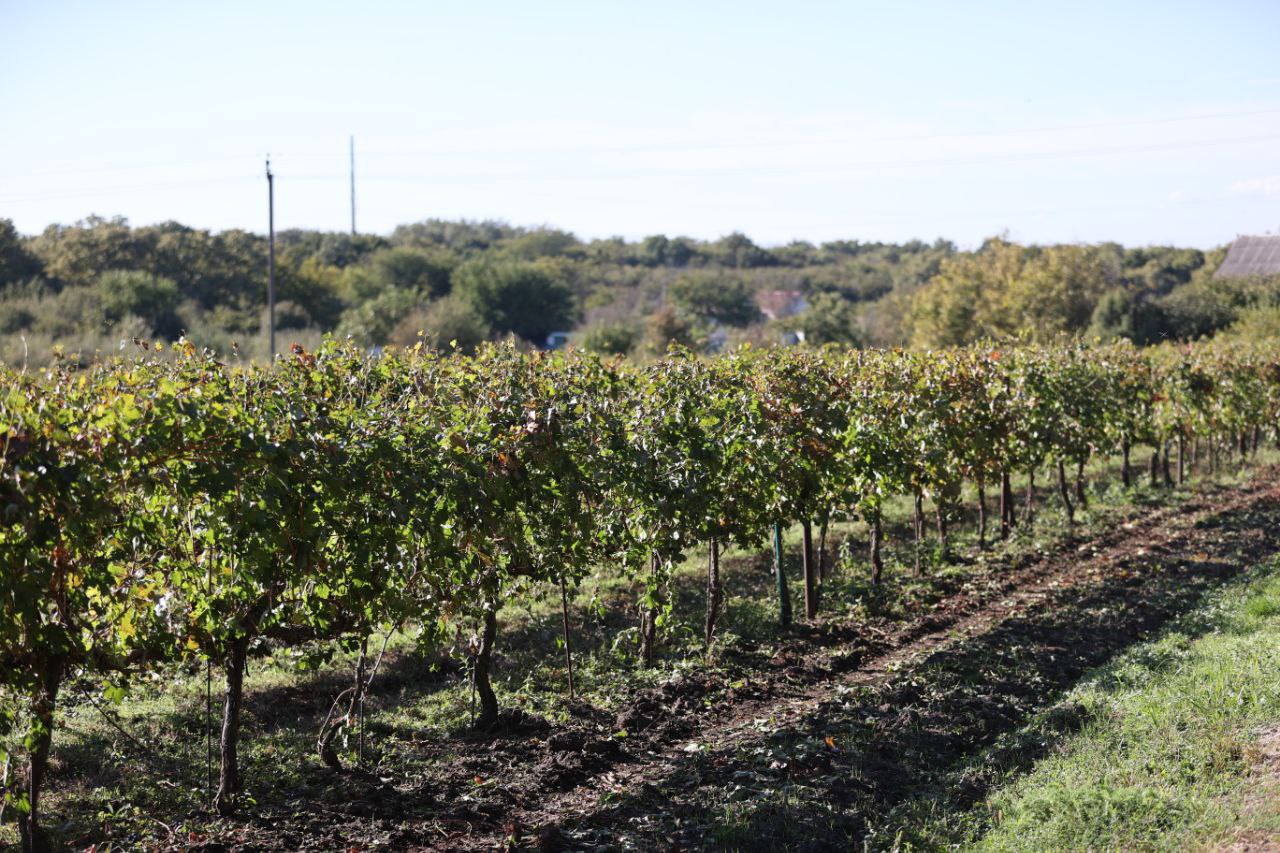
[(177, 509)]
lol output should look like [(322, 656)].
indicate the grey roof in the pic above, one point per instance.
[(1251, 256)]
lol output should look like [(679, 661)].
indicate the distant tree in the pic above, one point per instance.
[(1005, 290), (608, 338), (655, 251), (16, 262), (843, 248), (314, 288), (1255, 324), (857, 280), (339, 249), (830, 320), (217, 271), (76, 254), (290, 316), (71, 313), (610, 251), (412, 269), (738, 252), (680, 251), (1158, 269), (962, 302), (1203, 308), (542, 243), (464, 236), (715, 298), (521, 298), (131, 292), (797, 254), (371, 322), (1056, 291), (665, 327), (1113, 317), (446, 322)]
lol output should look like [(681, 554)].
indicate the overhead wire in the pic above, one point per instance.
[(672, 146)]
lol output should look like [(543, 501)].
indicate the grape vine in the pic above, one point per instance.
[(170, 508)]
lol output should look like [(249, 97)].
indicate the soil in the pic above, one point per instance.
[(863, 719)]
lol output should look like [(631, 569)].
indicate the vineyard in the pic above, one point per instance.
[(171, 510)]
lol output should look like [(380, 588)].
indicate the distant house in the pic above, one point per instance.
[(558, 340), (1250, 256), (790, 339), (776, 304)]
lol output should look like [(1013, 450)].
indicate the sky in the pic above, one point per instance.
[(1139, 122)]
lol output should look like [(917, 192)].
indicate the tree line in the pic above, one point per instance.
[(169, 508), (80, 289)]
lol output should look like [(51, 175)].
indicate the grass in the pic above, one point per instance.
[(1166, 759)]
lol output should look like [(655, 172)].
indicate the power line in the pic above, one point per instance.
[(677, 146), (148, 187), (715, 146), (644, 174), (135, 166), (647, 174), (830, 171)]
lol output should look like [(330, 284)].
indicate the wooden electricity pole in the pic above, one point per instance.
[(353, 186), (271, 258)]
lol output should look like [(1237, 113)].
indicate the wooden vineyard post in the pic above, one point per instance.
[(713, 592), (568, 650), (810, 573), (982, 516)]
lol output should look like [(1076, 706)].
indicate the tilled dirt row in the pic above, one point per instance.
[(861, 720), (875, 726)]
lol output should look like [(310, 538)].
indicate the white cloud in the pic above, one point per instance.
[(1265, 186)]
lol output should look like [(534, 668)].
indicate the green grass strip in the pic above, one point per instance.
[(1180, 747)]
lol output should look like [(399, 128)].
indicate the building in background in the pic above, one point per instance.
[(1251, 256), (776, 304)]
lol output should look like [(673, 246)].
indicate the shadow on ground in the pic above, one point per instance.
[(856, 770)]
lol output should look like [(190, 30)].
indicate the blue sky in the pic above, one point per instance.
[(1140, 122)]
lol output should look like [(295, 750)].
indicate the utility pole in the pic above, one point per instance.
[(353, 186), (271, 258)]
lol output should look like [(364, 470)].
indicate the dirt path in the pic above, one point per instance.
[(1099, 596), (817, 742)]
